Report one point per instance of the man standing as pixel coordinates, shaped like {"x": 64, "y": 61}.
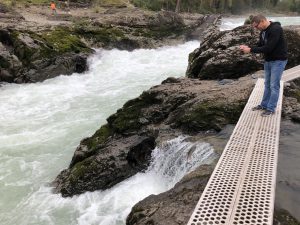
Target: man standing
{"x": 273, "y": 45}
{"x": 53, "y": 8}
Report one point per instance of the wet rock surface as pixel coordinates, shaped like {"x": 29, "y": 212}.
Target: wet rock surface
{"x": 219, "y": 56}
{"x": 118, "y": 160}
{"x": 27, "y": 56}
{"x": 291, "y": 101}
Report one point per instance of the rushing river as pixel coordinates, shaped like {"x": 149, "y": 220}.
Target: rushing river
{"x": 41, "y": 124}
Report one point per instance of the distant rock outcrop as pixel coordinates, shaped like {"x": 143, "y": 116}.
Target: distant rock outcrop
{"x": 27, "y": 56}
{"x": 32, "y": 52}
{"x": 129, "y": 29}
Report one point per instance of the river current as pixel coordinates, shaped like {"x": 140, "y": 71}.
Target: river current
{"x": 41, "y": 124}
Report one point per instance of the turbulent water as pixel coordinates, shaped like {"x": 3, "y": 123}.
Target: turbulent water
{"x": 41, "y": 124}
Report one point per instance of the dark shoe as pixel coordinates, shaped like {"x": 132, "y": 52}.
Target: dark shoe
{"x": 258, "y": 107}
{"x": 267, "y": 113}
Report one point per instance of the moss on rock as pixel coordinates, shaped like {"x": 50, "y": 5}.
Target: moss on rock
{"x": 63, "y": 40}
{"x": 90, "y": 145}
{"x": 99, "y": 138}
{"x": 77, "y": 171}
{"x": 96, "y": 33}
{"x": 46, "y": 44}
{"x": 127, "y": 118}
{"x": 211, "y": 115}
{"x": 296, "y": 94}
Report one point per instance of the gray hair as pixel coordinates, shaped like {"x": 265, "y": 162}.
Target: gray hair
{"x": 258, "y": 18}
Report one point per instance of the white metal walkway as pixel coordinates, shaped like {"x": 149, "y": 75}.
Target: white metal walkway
{"x": 291, "y": 74}
{"x": 241, "y": 189}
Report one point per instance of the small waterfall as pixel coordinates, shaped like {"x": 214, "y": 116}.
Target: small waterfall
{"x": 170, "y": 162}
{"x": 177, "y": 157}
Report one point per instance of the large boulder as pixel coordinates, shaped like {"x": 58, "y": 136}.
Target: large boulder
{"x": 123, "y": 146}
{"x": 9, "y": 65}
{"x": 107, "y": 165}
{"x": 219, "y": 56}
{"x": 28, "y": 56}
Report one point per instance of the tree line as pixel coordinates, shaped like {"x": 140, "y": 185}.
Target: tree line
{"x": 218, "y": 6}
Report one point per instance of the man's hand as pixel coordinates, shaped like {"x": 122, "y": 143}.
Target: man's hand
{"x": 245, "y": 48}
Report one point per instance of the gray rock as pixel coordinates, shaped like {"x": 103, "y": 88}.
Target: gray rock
{"x": 26, "y": 56}
{"x": 291, "y": 101}
{"x": 107, "y": 166}
{"x": 6, "y": 76}
{"x": 226, "y": 81}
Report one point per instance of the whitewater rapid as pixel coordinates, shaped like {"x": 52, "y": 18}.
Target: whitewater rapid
{"x": 42, "y": 123}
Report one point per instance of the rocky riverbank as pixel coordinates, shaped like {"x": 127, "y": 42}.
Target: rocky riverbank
{"x": 35, "y": 45}
{"x": 198, "y": 107}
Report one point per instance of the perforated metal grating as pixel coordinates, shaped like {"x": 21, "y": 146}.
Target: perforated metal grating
{"x": 241, "y": 188}
{"x": 291, "y": 74}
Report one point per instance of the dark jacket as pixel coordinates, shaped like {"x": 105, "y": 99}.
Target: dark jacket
{"x": 272, "y": 43}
